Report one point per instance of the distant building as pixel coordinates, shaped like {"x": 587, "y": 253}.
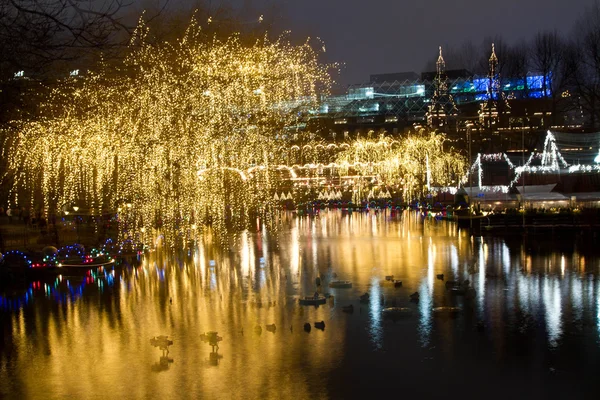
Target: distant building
{"x": 494, "y": 108}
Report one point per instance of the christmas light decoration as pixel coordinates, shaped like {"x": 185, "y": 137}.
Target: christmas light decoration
{"x": 164, "y": 140}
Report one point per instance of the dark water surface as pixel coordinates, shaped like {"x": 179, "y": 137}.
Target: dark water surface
{"x": 531, "y": 329}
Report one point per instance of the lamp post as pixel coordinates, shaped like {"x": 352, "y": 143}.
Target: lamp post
{"x": 76, "y": 218}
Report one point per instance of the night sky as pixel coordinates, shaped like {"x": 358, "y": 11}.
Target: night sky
{"x": 381, "y": 36}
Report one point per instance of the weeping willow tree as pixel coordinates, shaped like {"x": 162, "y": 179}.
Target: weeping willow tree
{"x": 418, "y": 163}
{"x": 167, "y": 138}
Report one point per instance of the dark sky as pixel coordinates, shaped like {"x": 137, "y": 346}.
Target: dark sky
{"x": 379, "y": 36}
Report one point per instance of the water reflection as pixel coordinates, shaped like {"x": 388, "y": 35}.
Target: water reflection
{"x": 89, "y": 331}
{"x": 375, "y": 312}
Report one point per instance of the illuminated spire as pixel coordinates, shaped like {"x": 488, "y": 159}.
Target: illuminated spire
{"x": 494, "y": 85}
{"x": 442, "y": 104}
{"x": 440, "y": 79}
{"x": 493, "y": 62}
{"x": 440, "y": 64}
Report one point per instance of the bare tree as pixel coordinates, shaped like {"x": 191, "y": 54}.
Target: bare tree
{"x": 583, "y": 65}
{"x": 517, "y": 62}
{"x": 36, "y": 33}
{"x": 546, "y": 57}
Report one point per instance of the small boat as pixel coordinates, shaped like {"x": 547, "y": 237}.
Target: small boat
{"x": 446, "y": 310}
{"x": 415, "y": 296}
{"x": 307, "y": 327}
{"x": 440, "y": 276}
{"x": 340, "y": 284}
{"x": 397, "y": 284}
{"x": 397, "y": 311}
{"x": 348, "y": 309}
{"x": 389, "y": 278}
{"x": 313, "y": 301}
{"x": 271, "y": 328}
{"x": 365, "y": 298}
{"x": 320, "y": 325}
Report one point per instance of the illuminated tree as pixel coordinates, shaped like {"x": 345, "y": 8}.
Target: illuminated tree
{"x": 173, "y": 133}
{"x": 416, "y": 163}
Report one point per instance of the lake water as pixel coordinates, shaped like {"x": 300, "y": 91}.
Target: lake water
{"x": 530, "y": 328}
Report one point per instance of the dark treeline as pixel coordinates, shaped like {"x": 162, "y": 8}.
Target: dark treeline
{"x": 47, "y": 39}
{"x": 571, "y": 63}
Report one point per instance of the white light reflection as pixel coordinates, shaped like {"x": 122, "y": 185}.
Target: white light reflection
{"x": 598, "y": 306}
{"x": 430, "y": 263}
{"x": 553, "y": 309}
{"x": 375, "y": 311}
{"x": 374, "y": 225}
{"x": 576, "y": 296}
{"x": 505, "y": 259}
{"x": 481, "y": 281}
{"x": 454, "y": 261}
{"x": 295, "y": 249}
{"x": 425, "y": 306}
{"x": 213, "y": 279}
{"x": 202, "y": 261}
{"x": 245, "y": 254}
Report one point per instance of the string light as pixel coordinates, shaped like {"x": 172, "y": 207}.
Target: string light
{"x": 135, "y": 138}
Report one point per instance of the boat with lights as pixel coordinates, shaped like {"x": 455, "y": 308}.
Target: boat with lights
{"x": 340, "y": 284}
{"x": 396, "y": 312}
{"x": 312, "y": 300}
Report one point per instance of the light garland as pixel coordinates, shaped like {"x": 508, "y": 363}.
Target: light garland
{"x": 172, "y": 133}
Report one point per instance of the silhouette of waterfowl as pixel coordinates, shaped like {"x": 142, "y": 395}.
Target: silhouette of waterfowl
{"x": 348, "y": 309}
{"x": 440, "y": 276}
{"x": 365, "y": 298}
{"x": 307, "y": 327}
{"x": 162, "y": 342}
{"x": 415, "y": 296}
{"x": 257, "y": 329}
{"x": 271, "y": 328}
{"x": 397, "y": 284}
{"x": 320, "y": 325}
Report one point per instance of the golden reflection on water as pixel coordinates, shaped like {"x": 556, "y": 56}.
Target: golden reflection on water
{"x": 87, "y": 335}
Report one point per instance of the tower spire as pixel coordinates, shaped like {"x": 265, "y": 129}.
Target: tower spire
{"x": 440, "y": 64}
{"x": 442, "y": 104}
{"x": 493, "y": 62}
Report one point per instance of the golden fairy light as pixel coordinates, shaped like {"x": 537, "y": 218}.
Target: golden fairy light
{"x": 167, "y": 138}
{"x": 417, "y": 164}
